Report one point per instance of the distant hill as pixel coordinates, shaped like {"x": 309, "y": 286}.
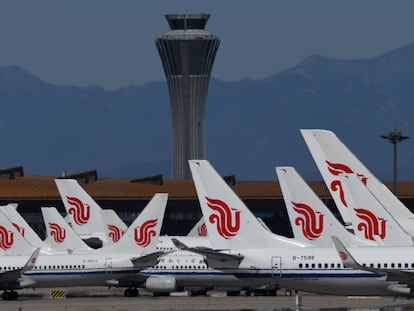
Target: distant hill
{"x": 252, "y": 125}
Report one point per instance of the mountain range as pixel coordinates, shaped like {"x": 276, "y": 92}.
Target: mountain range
{"x": 252, "y": 125}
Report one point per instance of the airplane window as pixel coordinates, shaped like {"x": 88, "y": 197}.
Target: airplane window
{"x": 364, "y": 264}
{"x": 371, "y": 265}
{"x": 313, "y": 265}
{"x": 300, "y": 265}
{"x": 392, "y": 265}
{"x": 399, "y": 265}
{"x": 306, "y": 265}
{"x": 412, "y": 265}
{"x": 379, "y": 265}
{"x": 385, "y": 265}
{"x": 319, "y": 265}
{"x": 332, "y": 265}
{"x": 338, "y": 265}
{"x": 406, "y": 265}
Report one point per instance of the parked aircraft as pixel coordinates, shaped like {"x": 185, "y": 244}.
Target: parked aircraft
{"x": 94, "y": 222}
{"x": 249, "y": 252}
{"x": 48, "y": 246}
{"x": 59, "y": 235}
{"x": 86, "y": 217}
{"x": 333, "y": 158}
{"x": 309, "y": 217}
{"x": 117, "y": 264}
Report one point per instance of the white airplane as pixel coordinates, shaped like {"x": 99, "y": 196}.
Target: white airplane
{"x": 370, "y": 219}
{"x": 12, "y": 277}
{"x": 309, "y": 217}
{"x": 176, "y": 271}
{"x": 48, "y": 246}
{"x": 86, "y": 217}
{"x": 333, "y": 158}
{"x": 114, "y": 265}
{"x": 248, "y": 251}
{"x": 59, "y": 235}
{"x": 76, "y": 199}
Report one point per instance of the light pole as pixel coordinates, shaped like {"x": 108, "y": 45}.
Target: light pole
{"x": 394, "y": 138}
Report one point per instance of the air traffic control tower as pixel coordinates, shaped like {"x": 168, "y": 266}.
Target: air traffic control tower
{"x": 187, "y": 53}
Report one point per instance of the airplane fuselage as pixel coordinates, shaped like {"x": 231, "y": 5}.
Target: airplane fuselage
{"x": 73, "y": 270}
{"x": 183, "y": 270}
{"x": 320, "y": 270}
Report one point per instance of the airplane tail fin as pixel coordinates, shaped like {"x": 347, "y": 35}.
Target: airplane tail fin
{"x": 60, "y": 236}
{"x": 199, "y": 229}
{"x": 230, "y": 224}
{"x": 115, "y": 227}
{"x": 333, "y": 158}
{"x": 22, "y": 226}
{"x": 142, "y": 235}
{"x": 11, "y": 241}
{"x": 370, "y": 219}
{"x": 84, "y": 214}
{"x": 309, "y": 217}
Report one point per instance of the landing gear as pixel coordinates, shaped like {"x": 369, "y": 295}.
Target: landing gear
{"x": 233, "y": 293}
{"x": 10, "y": 295}
{"x": 198, "y": 293}
{"x": 160, "y": 294}
{"x": 131, "y": 292}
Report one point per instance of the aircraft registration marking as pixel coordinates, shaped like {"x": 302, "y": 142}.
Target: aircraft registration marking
{"x": 303, "y": 257}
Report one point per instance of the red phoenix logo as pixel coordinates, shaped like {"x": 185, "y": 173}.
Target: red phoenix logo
{"x": 343, "y": 255}
{"x": 80, "y": 212}
{"x": 202, "y": 230}
{"x": 57, "y": 232}
{"x": 227, "y": 219}
{"x": 19, "y": 229}
{"x": 6, "y": 238}
{"x": 372, "y": 225}
{"x": 310, "y": 221}
{"x": 115, "y": 233}
{"x": 143, "y": 233}
{"x": 336, "y": 185}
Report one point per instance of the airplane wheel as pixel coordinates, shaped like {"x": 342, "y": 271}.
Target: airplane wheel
{"x": 10, "y": 295}
{"x": 128, "y": 292}
{"x": 134, "y": 292}
{"x": 198, "y": 293}
{"x": 233, "y": 293}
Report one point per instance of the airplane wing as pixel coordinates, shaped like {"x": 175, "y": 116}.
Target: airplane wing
{"x": 214, "y": 259}
{"x": 146, "y": 261}
{"x": 14, "y": 279}
{"x": 396, "y": 275}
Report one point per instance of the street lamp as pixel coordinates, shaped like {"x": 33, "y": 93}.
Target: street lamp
{"x": 394, "y": 138}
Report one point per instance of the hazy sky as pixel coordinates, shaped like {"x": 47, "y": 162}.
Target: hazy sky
{"x": 111, "y": 43}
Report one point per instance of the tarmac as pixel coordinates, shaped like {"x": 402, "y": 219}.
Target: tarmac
{"x": 103, "y": 299}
